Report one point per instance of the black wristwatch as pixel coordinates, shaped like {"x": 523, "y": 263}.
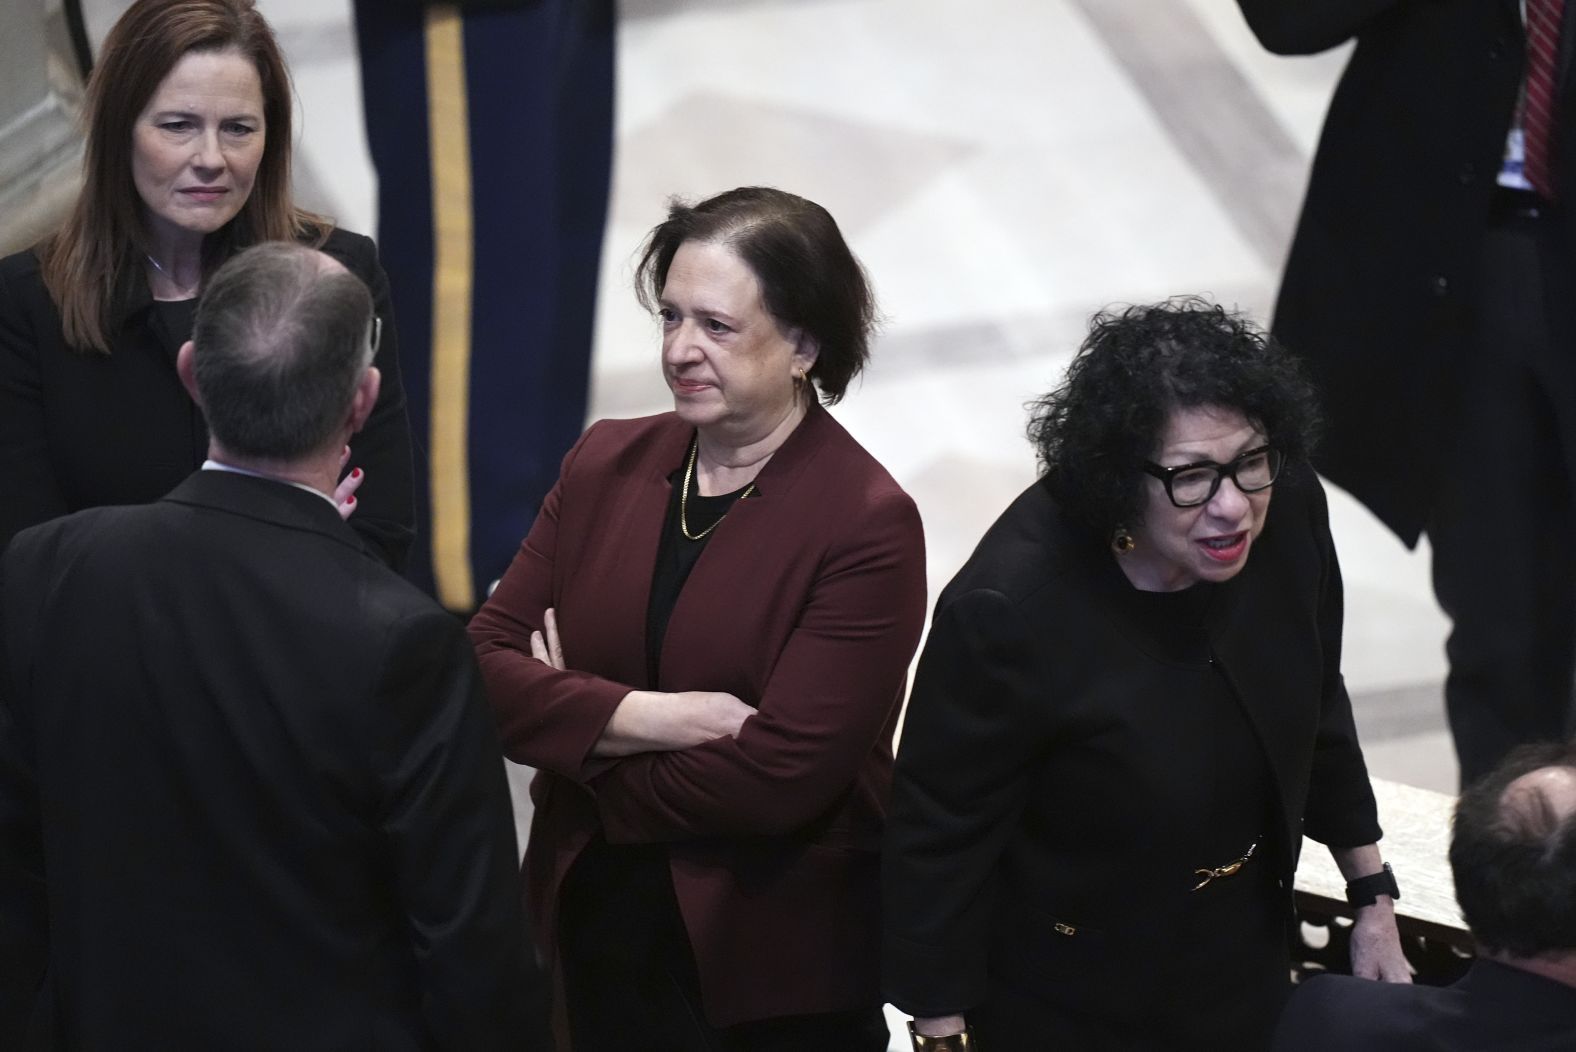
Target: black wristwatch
{"x": 1365, "y": 891}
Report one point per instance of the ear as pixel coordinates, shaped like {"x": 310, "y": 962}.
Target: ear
{"x": 805, "y": 351}
{"x": 186, "y": 369}
{"x": 364, "y": 399}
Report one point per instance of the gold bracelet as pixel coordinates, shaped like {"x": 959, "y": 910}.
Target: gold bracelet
{"x": 962, "y": 1042}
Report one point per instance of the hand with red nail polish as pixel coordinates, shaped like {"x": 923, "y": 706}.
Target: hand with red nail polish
{"x": 345, "y": 492}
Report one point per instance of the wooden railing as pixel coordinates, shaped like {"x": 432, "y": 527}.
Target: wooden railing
{"x": 1416, "y": 843}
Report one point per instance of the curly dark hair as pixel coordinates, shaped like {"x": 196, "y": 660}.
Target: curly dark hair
{"x": 1137, "y": 366}
{"x": 809, "y": 278}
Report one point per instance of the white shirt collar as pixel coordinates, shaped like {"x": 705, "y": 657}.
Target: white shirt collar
{"x": 214, "y": 465}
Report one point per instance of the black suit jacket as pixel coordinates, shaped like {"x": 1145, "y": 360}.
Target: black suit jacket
{"x": 250, "y": 793}
{"x": 1493, "y": 1008}
{"x": 79, "y": 429}
{"x": 1382, "y": 273}
{"x": 1031, "y": 776}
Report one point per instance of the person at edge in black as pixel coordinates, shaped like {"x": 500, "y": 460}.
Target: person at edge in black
{"x": 1128, "y": 712}
{"x": 1513, "y": 857}
{"x": 1431, "y": 290}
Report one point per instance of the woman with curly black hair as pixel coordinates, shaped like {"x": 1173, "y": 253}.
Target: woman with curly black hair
{"x": 1127, "y": 714}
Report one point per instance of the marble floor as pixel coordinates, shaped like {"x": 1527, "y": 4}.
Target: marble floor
{"x": 1002, "y": 173}
{"x": 1003, "y": 168}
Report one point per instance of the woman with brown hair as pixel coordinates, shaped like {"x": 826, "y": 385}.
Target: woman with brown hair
{"x": 702, "y": 646}
{"x": 187, "y": 161}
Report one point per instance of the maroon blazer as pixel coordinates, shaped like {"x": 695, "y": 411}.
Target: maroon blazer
{"x": 807, "y": 604}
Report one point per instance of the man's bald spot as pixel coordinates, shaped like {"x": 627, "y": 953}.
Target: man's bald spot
{"x": 281, "y": 343}
{"x": 1540, "y": 801}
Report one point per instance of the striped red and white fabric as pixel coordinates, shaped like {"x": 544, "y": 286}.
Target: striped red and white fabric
{"x": 1538, "y": 114}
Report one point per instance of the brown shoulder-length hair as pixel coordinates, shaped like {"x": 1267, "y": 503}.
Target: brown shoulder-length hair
{"x": 810, "y": 279}
{"x": 85, "y": 261}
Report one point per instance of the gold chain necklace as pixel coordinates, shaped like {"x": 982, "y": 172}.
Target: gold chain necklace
{"x": 689, "y": 473}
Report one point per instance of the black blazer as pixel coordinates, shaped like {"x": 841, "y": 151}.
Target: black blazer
{"x": 1031, "y": 736}
{"x": 1493, "y": 1008}
{"x": 250, "y": 793}
{"x": 79, "y": 429}
{"x": 1382, "y": 272}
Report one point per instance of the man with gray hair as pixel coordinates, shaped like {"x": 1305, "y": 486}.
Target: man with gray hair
{"x": 1513, "y": 854}
{"x": 250, "y": 793}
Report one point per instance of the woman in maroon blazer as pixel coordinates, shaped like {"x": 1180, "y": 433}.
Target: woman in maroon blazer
{"x": 702, "y": 645}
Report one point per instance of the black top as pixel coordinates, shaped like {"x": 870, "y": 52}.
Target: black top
{"x": 676, "y": 557}
{"x": 1074, "y": 749}
{"x": 1222, "y": 791}
{"x": 1219, "y": 799}
{"x": 175, "y": 320}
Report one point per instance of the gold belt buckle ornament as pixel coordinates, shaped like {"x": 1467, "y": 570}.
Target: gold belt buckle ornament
{"x": 1228, "y": 870}
{"x": 963, "y": 1042}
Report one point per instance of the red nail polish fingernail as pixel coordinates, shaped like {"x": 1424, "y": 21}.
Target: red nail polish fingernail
{"x": 350, "y": 499}
{"x": 355, "y": 473}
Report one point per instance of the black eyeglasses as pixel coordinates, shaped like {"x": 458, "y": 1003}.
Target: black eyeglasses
{"x": 377, "y": 333}
{"x": 1189, "y": 485}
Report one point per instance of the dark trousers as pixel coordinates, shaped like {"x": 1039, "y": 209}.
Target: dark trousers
{"x": 1503, "y": 530}
{"x": 657, "y": 1009}
{"x": 630, "y": 981}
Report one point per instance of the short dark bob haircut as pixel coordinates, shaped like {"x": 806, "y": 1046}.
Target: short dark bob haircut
{"x": 1514, "y": 859}
{"x": 809, "y": 278}
{"x": 1137, "y": 366}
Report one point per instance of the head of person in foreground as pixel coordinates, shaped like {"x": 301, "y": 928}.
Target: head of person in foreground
{"x": 1513, "y": 855}
{"x": 280, "y": 358}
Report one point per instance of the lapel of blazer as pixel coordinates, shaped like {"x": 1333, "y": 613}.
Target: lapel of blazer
{"x": 608, "y": 584}
{"x": 739, "y": 552}
{"x": 1267, "y": 642}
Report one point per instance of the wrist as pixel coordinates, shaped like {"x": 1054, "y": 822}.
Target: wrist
{"x": 634, "y": 725}
{"x": 1380, "y": 908}
{"x": 1366, "y": 892}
